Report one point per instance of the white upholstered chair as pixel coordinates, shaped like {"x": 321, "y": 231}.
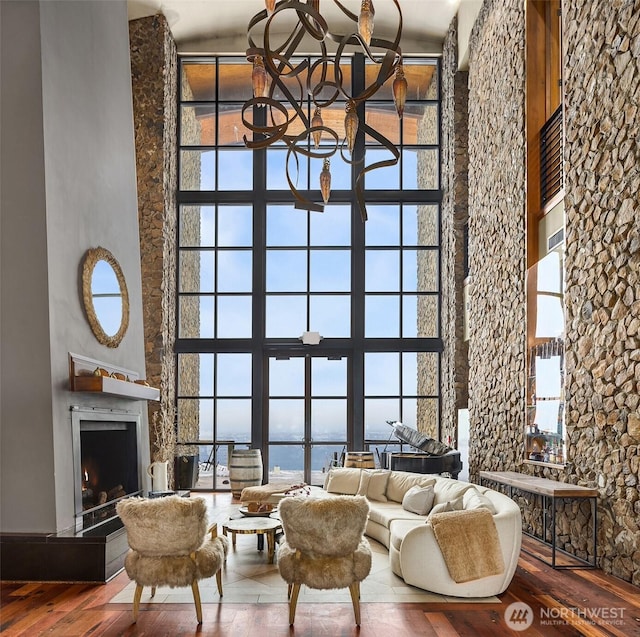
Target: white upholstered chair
{"x": 170, "y": 545}
{"x": 324, "y": 546}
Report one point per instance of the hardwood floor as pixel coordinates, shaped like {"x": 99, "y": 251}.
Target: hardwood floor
{"x": 562, "y": 602}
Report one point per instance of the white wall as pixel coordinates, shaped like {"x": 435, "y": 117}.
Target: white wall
{"x": 70, "y": 125}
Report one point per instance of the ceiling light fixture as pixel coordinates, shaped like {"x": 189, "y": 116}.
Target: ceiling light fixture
{"x": 279, "y": 71}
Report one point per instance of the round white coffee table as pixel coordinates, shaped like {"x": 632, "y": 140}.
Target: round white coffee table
{"x": 254, "y": 526}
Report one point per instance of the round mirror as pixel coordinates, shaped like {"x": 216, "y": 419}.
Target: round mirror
{"x": 105, "y": 295}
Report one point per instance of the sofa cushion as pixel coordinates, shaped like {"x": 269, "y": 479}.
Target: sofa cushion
{"x": 373, "y": 484}
{"x": 384, "y": 513}
{"x": 418, "y": 499}
{"x": 401, "y": 481}
{"x": 446, "y": 507}
{"x": 448, "y": 489}
{"x": 398, "y": 530}
{"x": 473, "y": 499}
{"x": 343, "y": 481}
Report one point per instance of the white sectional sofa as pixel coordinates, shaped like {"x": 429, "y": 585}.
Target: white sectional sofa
{"x": 414, "y": 553}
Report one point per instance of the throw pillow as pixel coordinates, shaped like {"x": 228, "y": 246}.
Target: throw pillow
{"x": 418, "y": 500}
{"x": 373, "y": 484}
{"x": 401, "y": 481}
{"x": 473, "y": 499}
{"x": 343, "y": 481}
{"x": 445, "y": 507}
{"x": 448, "y": 489}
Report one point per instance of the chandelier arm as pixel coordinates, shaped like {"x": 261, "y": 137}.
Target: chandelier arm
{"x": 305, "y": 204}
{"x": 276, "y": 73}
{"x": 360, "y": 197}
{"x": 301, "y": 203}
{"x": 293, "y": 102}
{"x": 292, "y": 43}
{"x": 293, "y": 149}
{"x": 276, "y": 76}
{"x": 317, "y": 32}
{"x": 352, "y": 38}
{"x": 284, "y": 62}
{"x": 351, "y": 16}
{"x": 257, "y": 18}
{"x": 346, "y": 156}
{"x": 396, "y": 42}
{"x": 306, "y": 26}
{"x": 323, "y": 61}
{"x": 272, "y": 133}
{"x": 324, "y": 103}
{"x": 381, "y": 139}
{"x": 336, "y": 63}
{"x": 379, "y": 43}
{"x": 387, "y": 69}
{"x": 314, "y": 153}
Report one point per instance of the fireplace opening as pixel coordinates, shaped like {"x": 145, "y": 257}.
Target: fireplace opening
{"x": 107, "y": 466}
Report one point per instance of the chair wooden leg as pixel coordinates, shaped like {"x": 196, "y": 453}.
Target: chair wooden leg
{"x": 293, "y": 601}
{"x": 219, "y": 581}
{"x": 136, "y": 602}
{"x": 289, "y": 591}
{"x": 196, "y": 599}
{"x": 354, "y": 589}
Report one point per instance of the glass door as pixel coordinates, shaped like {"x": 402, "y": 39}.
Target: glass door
{"x": 307, "y": 415}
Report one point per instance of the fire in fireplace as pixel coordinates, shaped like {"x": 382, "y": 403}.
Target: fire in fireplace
{"x": 106, "y": 462}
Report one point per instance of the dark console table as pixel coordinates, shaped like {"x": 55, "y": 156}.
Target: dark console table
{"x": 551, "y": 491}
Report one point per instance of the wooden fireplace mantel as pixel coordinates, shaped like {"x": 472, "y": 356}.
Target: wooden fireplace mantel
{"x": 88, "y": 375}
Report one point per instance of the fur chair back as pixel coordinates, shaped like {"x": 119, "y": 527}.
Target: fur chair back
{"x": 328, "y": 526}
{"x": 164, "y": 526}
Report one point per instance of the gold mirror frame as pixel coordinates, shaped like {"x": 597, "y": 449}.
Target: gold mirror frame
{"x": 91, "y": 258}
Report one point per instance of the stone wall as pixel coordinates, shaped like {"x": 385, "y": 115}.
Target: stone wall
{"x": 188, "y": 417}
{"x": 428, "y": 319}
{"x": 455, "y": 161}
{"x": 602, "y": 154}
{"x": 497, "y": 237}
{"x": 602, "y": 94}
{"x": 154, "y": 83}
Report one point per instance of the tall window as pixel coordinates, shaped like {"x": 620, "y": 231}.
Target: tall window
{"x": 545, "y": 431}
{"x": 255, "y": 274}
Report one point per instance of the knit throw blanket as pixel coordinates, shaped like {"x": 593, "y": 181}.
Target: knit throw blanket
{"x": 469, "y": 544}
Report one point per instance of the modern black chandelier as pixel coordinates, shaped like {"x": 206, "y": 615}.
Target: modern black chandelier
{"x": 281, "y": 69}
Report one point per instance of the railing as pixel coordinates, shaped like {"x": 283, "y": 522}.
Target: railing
{"x": 551, "y": 157}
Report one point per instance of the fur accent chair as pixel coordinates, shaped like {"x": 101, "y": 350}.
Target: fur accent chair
{"x": 324, "y": 546}
{"x": 169, "y": 547}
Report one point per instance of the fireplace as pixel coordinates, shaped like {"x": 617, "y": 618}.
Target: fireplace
{"x": 106, "y": 458}
{"x": 107, "y": 451}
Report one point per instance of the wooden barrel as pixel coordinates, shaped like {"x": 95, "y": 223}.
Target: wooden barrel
{"x": 245, "y": 469}
{"x": 359, "y": 460}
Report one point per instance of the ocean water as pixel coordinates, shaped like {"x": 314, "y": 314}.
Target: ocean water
{"x": 290, "y": 457}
